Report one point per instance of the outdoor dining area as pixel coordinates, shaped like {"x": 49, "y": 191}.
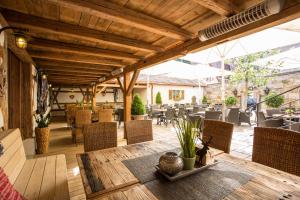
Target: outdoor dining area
{"x": 132, "y": 149}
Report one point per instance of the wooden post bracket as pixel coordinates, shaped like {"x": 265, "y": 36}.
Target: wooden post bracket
{"x": 132, "y": 82}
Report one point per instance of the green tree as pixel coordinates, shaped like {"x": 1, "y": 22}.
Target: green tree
{"x": 137, "y": 107}
{"x": 274, "y": 101}
{"x": 158, "y": 100}
{"x": 247, "y": 72}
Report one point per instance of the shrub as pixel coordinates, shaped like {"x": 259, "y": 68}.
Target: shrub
{"x": 274, "y": 101}
{"x": 137, "y": 107}
{"x": 204, "y": 100}
{"x": 230, "y": 101}
{"x": 158, "y": 100}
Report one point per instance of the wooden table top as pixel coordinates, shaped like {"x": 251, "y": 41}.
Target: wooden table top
{"x": 120, "y": 183}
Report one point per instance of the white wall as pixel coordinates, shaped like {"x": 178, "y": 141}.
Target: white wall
{"x": 189, "y": 92}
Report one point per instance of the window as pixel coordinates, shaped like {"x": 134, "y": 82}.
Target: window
{"x": 176, "y": 95}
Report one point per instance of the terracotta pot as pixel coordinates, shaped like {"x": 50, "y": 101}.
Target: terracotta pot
{"x": 170, "y": 163}
{"x": 42, "y": 140}
{"x": 189, "y": 163}
{"x": 138, "y": 117}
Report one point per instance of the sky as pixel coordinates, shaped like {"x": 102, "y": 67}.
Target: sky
{"x": 282, "y": 35}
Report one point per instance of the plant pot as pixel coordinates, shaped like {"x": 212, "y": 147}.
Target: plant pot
{"x": 189, "y": 163}
{"x": 42, "y": 140}
{"x": 170, "y": 163}
{"x": 138, "y": 117}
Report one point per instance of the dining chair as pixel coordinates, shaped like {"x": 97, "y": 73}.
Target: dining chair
{"x": 233, "y": 115}
{"x": 277, "y": 148}
{"x": 70, "y": 114}
{"x": 82, "y": 117}
{"x": 100, "y": 135}
{"x": 221, "y": 133}
{"x": 138, "y": 131}
{"x": 105, "y": 115}
{"x": 215, "y": 115}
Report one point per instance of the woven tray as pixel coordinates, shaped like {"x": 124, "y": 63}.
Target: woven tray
{"x": 184, "y": 173}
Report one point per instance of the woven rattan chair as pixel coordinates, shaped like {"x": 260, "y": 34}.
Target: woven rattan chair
{"x": 82, "y": 118}
{"x": 105, "y": 115}
{"x": 138, "y": 131}
{"x": 233, "y": 115}
{"x": 215, "y": 115}
{"x": 277, "y": 148}
{"x": 221, "y": 133}
{"x": 100, "y": 135}
{"x": 70, "y": 115}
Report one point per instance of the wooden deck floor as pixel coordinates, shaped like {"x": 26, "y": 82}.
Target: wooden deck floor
{"x": 61, "y": 143}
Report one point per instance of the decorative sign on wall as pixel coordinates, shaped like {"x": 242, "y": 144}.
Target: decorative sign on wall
{"x": 176, "y": 95}
{"x": 71, "y": 96}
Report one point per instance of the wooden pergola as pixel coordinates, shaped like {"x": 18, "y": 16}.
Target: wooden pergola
{"x": 76, "y": 42}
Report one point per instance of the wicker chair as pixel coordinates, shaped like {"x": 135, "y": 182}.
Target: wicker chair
{"x": 277, "y": 148}
{"x": 70, "y": 115}
{"x": 82, "y": 118}
{"x": 105, "y": 115}
{"x": 233, "y": 116}
{"x": 221, "y": 133}
{"x": 138, "y": 131}
{"x": 98, "y": 136}
{"x": 215, "y": 115}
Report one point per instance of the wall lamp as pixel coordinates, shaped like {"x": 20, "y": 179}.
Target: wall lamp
{"x": 20, "y": 38}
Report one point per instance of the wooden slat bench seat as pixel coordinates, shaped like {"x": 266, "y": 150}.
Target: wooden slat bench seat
{"x": 37, "y": 178}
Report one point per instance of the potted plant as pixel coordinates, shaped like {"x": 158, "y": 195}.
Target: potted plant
{"x": 204, "y": 100}
{"x": 158, "y": 100}
{"x": 230, "y": 101}
{"x": 42, "y": 133}
{"x": 273, "y": 100}
{"x": 194, "y": 99}
{"x": 187, "y": 134}
{"x": 137, "y": 108}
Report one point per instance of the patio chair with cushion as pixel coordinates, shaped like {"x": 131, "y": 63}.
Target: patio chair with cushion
{"x": 216, "y": 115}
{"x": 82, "y": 118}
{"x": 105, "y": 115}
{"x": 100, "y": 135}
{"x": 233, "y": 115}
{"x": 138, "y": 131}
{"x": 277, "y": 148}
{"x": 221, "y": 133}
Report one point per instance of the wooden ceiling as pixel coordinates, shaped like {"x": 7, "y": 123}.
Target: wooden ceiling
{"x": 79, "y": 41}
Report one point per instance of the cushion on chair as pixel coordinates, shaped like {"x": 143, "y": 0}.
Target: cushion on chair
{"x": 7, "y": 190}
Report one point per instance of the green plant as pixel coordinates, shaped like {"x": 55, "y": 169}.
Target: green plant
{"x": 42, "y": 121}
{"x": 158, "y": 100}
{"x": 193, "y": 100}
{"x": 230, "y": 101}
{"x": 137, "y": 107}
{"x": 187, "y": 132}
{"x": 204, "y": 100}
{"x": 273, "y": 100}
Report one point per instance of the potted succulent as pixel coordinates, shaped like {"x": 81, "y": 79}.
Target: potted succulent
{"x": 273, "y": 100}
{"x": 137, "y": 108}
{"x": 230, "y": 101}
{"x": 187, "y": 134}
{"x": 42, "y": 133}
{"x": 158, "y": 100}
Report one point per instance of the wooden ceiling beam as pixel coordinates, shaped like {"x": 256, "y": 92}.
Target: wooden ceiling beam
{"x": 222, "y": 7}
{"x": 60, "y": 28}
{"x": 68, "y": 64}
{"x": 72, "y": 74}
{"x": 37, "y": 43}
{"x": 110, "y": 11}
{"x": 75, "y": 58}
{"x": 195, "y": 45}
{"x": 77, "y": 69}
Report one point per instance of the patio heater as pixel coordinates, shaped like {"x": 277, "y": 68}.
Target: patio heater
{"x": 20, "y": 38}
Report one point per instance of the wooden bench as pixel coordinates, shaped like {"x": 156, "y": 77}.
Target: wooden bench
{"x": 38, "y": 178}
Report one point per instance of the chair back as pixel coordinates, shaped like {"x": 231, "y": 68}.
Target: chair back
{"x": 216, "y": 115}
{"x": 277, "y": 148}
{"x": 170, "y": 113}
{"x": 196, "y": 109}
{"x": 233, "y": 115}
{"x": 138, "y": 131}
{"x": 83, "y": 117}
{"x": 120, "y": 112}
{"x": 275, "y": 123}
{"x": 181, "y": 112}
{"x": 221, "y": 133}
{"x": 260, "y": 116}
{"x": 271, "y": 112}
{"x": 100, "y": 135}
{"x": 105, "y": 115}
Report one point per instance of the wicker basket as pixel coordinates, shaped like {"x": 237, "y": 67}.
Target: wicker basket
{"x": 42, "y": 140}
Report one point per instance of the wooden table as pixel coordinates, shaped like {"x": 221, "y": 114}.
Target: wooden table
{"x": 120, "y": 183}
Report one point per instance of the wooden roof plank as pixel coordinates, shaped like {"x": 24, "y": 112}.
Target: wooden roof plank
{"x": 80, "y": 49}
{"x": 38, "y": 23}
{"x": 114, "y": 12}
{"x": 222, "y": 7}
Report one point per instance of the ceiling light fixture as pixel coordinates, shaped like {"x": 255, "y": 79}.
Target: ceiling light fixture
{"x": 253, "y": 14}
